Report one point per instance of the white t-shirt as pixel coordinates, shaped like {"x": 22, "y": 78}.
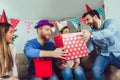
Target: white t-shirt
{"x": 14, "y": 69}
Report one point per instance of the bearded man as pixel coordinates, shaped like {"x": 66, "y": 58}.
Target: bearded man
{"x": 41, "y": 47}
{"x": 106, "y": 36}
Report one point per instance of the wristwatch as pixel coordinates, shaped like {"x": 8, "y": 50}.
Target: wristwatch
{"x": 91, "y": 35}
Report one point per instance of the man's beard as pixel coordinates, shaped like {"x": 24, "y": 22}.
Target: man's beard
{"x": 93, "y": 25}
{"x": 45, "y": 37}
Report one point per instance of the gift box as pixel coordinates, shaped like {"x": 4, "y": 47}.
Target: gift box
{"x": 43, "y": 67}
{"x": 72, "y": 45}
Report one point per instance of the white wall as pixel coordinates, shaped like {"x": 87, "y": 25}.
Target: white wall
{"x": 23, "y": 36}
{"x": 112, "y": 9}
{"x": 26, "y": 10}
{"x": 46, "y": 9}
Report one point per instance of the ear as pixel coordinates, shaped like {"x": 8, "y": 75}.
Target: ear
{"x": 95, "y": 17}
{"x": 38, "y": 30}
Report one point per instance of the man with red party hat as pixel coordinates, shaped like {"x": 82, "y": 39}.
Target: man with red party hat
{"x": 105, "y": 35}
{"x": 7, "y": 51}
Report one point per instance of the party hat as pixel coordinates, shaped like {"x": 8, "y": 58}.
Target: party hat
{"x": 88, "y": 8}
{"x": 59, "y": 25}
{"x": 3, "y": 18}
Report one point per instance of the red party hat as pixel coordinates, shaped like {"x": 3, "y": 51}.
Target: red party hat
{"x": 87, "y": 8}
{"x": 3, "y": 18}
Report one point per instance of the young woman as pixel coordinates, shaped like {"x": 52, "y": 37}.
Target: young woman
{"x": 8, "y": 69}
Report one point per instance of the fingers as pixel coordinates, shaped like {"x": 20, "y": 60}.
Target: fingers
{"x": 84, "y": 36}
{"x": 81, "y": 36}
{"x": 62, "y": 55}
{"x": 83, "y": 30}
{"x": 60, "y": 49}
{"x": 61, "y": 67}
{"x": 59, "y": 53}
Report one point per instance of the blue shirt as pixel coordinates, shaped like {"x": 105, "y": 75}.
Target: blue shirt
{"x": 32, "y": 50}
{"x": 107, "y": 38}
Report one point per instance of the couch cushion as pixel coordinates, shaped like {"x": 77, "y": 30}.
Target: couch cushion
{"x": 22, "y": 65}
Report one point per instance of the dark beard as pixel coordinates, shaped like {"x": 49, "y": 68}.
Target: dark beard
{"x": 93, "y": 25}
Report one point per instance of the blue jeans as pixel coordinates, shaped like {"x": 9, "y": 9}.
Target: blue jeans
{"x": 54, "y": 77}
{"x": 101, "y": 63}
{"x": 67, "y": 73}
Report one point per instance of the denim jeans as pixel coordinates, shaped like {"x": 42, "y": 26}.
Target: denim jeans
{"x": 67, "y": 73}
{"x": 101, "y": 63}
{"x": 54, "y": 77}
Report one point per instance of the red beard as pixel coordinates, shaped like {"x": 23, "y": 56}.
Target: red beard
{"x": 45, "y": 36}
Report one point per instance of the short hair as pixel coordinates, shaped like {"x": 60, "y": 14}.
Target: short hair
{"x": 91, "y": 13}
{"x": 61, "y": 31}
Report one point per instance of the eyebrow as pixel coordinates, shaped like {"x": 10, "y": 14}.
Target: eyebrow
{"x": 87, "y": 19}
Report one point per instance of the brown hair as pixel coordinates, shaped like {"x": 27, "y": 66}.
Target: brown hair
{"x": 61, "y": 31}
{"x": 6, "y": 59}
{"x": 91, "y": 13}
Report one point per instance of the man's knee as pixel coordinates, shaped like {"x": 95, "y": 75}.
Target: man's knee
{"x": 96, "y": 70}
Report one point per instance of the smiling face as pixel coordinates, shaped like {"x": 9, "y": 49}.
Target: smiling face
{"x": 44, "y": 32}
{"x": 91, "y": 21}
{"x": 9, "y": 35}
{"x": 66, "y": 31}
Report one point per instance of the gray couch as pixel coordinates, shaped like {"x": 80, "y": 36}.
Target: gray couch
{"x": 22, "y": 65}
{"x": 112, "y": 73}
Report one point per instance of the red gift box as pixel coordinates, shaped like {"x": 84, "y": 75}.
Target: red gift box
{"x": 43, "y": 67}
{"x": 72, "y": 45}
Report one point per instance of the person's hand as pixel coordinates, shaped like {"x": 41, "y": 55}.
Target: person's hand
{"x": 59, "y": 53}
{"x": 75, "y": 65}
{"x": 61, "y": 67}
{"x": 85, "y": 35}
{"x": 60, "y": 64}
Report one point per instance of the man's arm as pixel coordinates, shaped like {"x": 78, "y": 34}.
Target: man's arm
{"x": 57, "y": 53}
{"x": 110, "y": 30}
{"x": 90, "y": 46}
{"x": 35, "y": 53}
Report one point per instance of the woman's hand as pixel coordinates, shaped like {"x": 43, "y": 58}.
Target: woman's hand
{"x": 60, "y": 64}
